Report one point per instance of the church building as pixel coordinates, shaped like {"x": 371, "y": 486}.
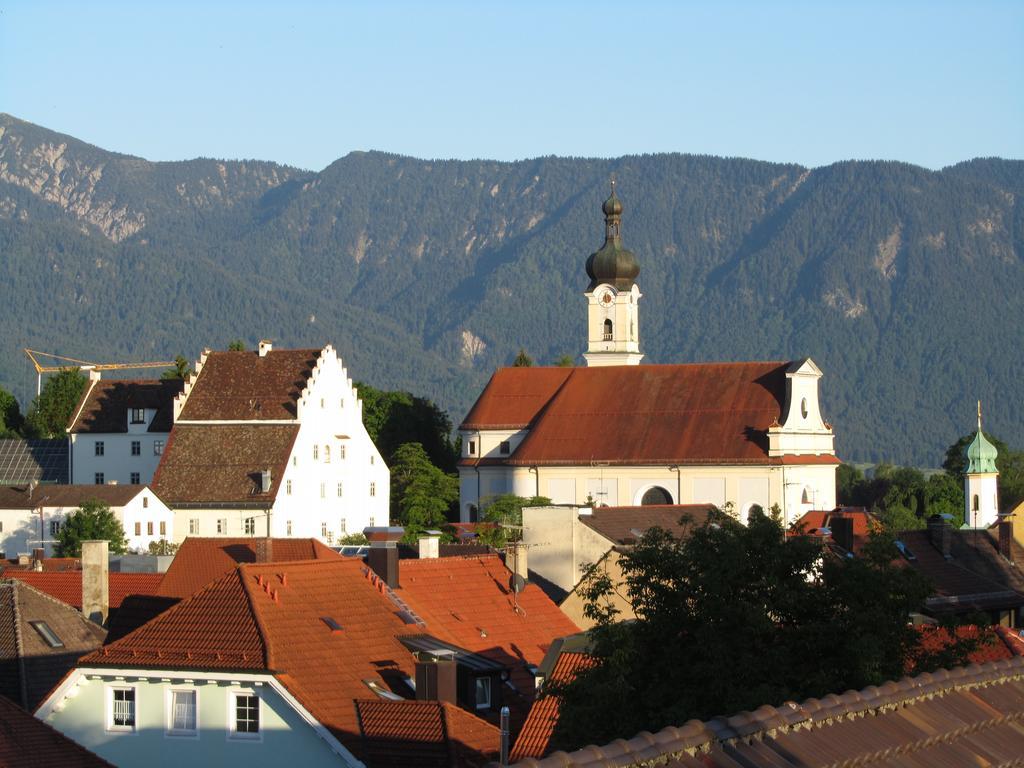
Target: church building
{"x": 617, "y": 432}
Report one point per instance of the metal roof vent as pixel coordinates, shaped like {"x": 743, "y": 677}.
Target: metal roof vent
{"x": 266, "y": 345}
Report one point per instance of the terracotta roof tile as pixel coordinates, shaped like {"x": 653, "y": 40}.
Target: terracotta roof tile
{"x": 199, "y": 561}
{"x": 19, "y": 496}
{"x": 222, "y": 463}
{"x": 66, "y": 586}
{"x": 26, "y": 742}
{"x": 104, "y": 405}
{"x": 535, "y": 738}
{"x": 242, "y": 386}
{"x": 701, "y": 413}
{"x": 619, "y": 523}
{"x": 991, "y": 645}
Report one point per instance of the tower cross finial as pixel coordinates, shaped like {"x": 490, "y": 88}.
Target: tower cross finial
{"x": 613, "y": 183}
{"x": 979, "y": 415}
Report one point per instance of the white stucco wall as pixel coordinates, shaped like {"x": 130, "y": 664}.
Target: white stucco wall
{"x": 117, "y": 462}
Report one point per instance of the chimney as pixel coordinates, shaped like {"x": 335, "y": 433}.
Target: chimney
{"x": 1006, "y": 538}
{"x": 265, "y": 481}
{"x": 383, "y": 555}
{"x": 430, "y": 545}
{"x": 37, "y": 558}
{"x": 436, "y": 679}
{"x": 95, "y": 580}
{"x": 265, "y": 550}
{"x": 265, "y": 346}
{"x": 515, "y": 561}
{"x": 941, "y": 535}
{"x": 842, "y": 531}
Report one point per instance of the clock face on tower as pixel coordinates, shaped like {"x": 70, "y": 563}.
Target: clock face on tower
{"x": 607, "y": 298}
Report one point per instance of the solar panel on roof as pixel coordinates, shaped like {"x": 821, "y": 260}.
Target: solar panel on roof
{"x": 22, "y": 461}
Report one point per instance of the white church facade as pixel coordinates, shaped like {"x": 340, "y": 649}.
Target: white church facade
{"x": 620, "y": 433}
{"x": 272, "y": 443}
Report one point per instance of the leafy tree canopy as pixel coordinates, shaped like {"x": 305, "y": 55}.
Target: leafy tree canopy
{"x": 730, "y": 617}
{"x": 522, "y": 360}
{"x": 92, "y": 520}
{"x": 504, "y": 510}
{"x": 11, "y": 419}
{"x": 565, "y": 361}
{"x": 395, "y": 418}
{"x": 236, "y": 346}
{"x": 51, "y": 410}
{"x": 181, "y": 369}
{"x": 422, "y": 496}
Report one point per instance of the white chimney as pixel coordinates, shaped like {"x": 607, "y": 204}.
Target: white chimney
{"x": 96, "y": 580}
{"x": 265, "y": 481}
{"x": 430, "y": 545}
{"x": 265, "y": 346}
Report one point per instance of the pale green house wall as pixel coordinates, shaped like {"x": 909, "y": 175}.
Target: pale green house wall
{"x": 286, "y": 738}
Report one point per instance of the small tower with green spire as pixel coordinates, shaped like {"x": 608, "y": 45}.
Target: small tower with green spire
{"x": 613, "y": 321}
{"x": 981, "y": 487}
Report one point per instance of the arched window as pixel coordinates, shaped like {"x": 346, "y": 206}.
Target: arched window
{"x": 607, "y": 330}
{"x": 655, "y": 495}
{"x": 975, "y": 503}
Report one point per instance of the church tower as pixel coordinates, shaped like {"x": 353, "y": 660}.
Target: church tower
{"x": 981, "y": 491}
{"x": 613, "y": 323}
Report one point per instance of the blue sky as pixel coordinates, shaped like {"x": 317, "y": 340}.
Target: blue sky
{"x": 304, "y": 83}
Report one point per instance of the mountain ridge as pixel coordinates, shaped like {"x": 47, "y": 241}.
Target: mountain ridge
{"x": 426, "y": 274}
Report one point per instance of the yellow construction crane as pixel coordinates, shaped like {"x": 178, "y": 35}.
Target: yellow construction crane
{"x": 82, "y": 365}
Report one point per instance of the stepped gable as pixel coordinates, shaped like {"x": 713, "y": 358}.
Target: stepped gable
{"x": 199, "y": 561}
{"x": 964, "y": 716}
{"x": 245, "y": 386}
{"x": 707, "y": 413}
{"x": 104, "y": 405}
{"x": 30, "y": 666}
{"x": 534, "y": 739}
{"x": 222, "y": 463}
{"x": 22, "y": 497}
{"x": 26, "y": 742}
{"x": 66, "y": 586}
{"x": 467, "y": 600}
{"x": 619, "y": 524}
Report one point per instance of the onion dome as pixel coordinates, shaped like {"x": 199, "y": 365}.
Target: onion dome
{"x": 612, "y": 263}
{"x": 981, "y": 455}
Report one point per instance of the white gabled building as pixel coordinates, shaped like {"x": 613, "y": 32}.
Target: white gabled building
{"x": 619, "y": 433}
{"x": 119, "y": 429}
{"x": 272, "y": 443}
{"x": 31, "y": 516}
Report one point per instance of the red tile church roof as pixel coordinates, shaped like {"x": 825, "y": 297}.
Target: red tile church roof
{"x": 644, "y": 414}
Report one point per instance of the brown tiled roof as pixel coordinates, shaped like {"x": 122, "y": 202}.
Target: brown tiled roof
{"x": 26, "y": 742}
{"x": 658, "y": 414}
{"x": 992, "y": 646}
{"x": 966, "y": 716}
{"x": 19, "y": 497}
{"x": 618, "y": 524}
{"x": 217, "y": 463}
{"x": 29, "y": 667}
{"x": 535, "y": 738}
{"x": 975, "y": 577}
{"x": 242, "y": 386}
{"x": 199, "y": 561}
{"x": 104, "y": 405}
{"x": 811, "y": 523}
{"x": 66, "y": 586}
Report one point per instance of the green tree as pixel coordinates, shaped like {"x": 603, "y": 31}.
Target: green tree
{"x": 422, "y": 496}
{"x": 395, "y": 418}
{"x": 51, "y": 410}
{"x": 1009, "y": 462}
{"x": 565, "y": 361}
{"x": 236, "y": 346}
{"x": 730, "y": 617}
{"x": 11, "y": 420}
{"x": 506, "y": 510}
{"x": 522, "y": 360}
{"x": 181, "y": 369}
{"x": 162, "y": 547}
{"x": 92, "y": 520}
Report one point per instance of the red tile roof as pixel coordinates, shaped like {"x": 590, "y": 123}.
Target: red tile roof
{"x": 199, "y": 561}
{"x": 19, "y": 496}
{"x": 991, "y": 645}
{"x": 26, "y": 742}
{"x": 662, "y": 414}
{"x": 811, "y": 523}
{"x": 617, "y": 524}
{"x": 222, "y": 463}
{"x": 242, "y": 386}
{"x": 104, "y": 405}
{"x": 66, "y": 586}
{"x": 535, "y": 738}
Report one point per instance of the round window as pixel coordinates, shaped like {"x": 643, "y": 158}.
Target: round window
{"x": 803, "y": 407}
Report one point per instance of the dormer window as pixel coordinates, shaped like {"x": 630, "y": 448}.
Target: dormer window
{"x": 138, "y": 415}
{"x": 505, "y": 448}
{"x": 472, "y": 447}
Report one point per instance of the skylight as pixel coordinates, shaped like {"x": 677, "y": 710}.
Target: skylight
{"x": 332, "y": 623}
{"x": 47, "y": 634}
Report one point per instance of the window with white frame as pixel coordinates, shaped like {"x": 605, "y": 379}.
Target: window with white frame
{"x": 193, "y": 525}
{"x": 222, "y": 525}
{"x": 54, "y": 527}
{"x": 182, "y": 712}
{"x": 342, "y": 527}
{"x": 339, "y": 490}
{"x": 295, "y": 461}
{"x": 121, "y": 709}
{"x": 288, "y": 487}
{"x": 138, "y": 415}
{"x": 250, "y": 526}
{"x": 323, "y": 490}
{"x": 373, "y": 489}
{"x": 149, "y": 527}
{"x": 99, "y": 448}
{"x": 341, "y": 451}
{"x": 327, "y": 454}
{"x": 373, "y": 459}
{"x": 158, "y": 447}
{"x": 483, "y": 693}
{"x": 373, "y": 521}
{"x": 245, "y": 717}
{"x": 316, "y": 453}
{"x": 288, "y": 528}
{"x": 99, "y": 478}
{"x": 323, "y": 530}
{"x": 136, "y": 447}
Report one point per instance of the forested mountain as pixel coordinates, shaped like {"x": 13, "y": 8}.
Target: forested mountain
{"x": 905, "y": 285}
